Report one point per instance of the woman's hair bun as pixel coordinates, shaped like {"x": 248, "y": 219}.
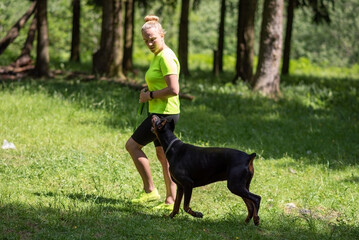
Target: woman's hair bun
{"x": 152, "y": 21}
{"x": 152, "y": 18}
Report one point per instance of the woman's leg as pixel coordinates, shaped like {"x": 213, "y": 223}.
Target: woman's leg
{"x": 141, "y": 163}
{"x": 170, "y": 185}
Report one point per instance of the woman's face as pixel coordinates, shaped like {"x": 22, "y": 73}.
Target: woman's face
{"x": 153, "y": 39}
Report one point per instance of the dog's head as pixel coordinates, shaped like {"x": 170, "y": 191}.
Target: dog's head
{"x": 158, "y": 124}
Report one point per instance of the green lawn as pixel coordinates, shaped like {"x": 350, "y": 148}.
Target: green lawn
{"x": 71, "y": 178}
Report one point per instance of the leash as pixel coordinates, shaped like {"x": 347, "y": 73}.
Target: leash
{"x": 170, "y": 145}
{"x": 140, "y": 109}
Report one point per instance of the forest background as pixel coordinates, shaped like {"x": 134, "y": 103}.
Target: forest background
{"x": 323, "y": 44}
{"x": 69, "y": 176}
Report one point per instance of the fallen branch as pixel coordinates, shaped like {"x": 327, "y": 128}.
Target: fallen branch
{"x": 14, "y": 31}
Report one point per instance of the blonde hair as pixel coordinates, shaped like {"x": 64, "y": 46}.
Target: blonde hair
{"x": 152, "y": 21}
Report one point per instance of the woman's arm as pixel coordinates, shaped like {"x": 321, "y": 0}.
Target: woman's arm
{"x": 171, "y": 90}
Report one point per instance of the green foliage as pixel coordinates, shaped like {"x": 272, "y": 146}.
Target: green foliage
{"x": 332, "y": 44}
{"x": 71, "y": 178}
{"x": 326, "y": 45}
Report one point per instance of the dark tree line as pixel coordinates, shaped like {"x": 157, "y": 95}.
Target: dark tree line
{"x": 114, "y": 55}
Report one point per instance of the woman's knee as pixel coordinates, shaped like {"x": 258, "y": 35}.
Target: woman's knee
{"x": 131, "y": 145}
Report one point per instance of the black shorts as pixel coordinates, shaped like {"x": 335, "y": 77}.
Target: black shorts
{"x": 143, "y": 134}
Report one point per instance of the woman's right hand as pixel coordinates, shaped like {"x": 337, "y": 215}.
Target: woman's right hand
{"x": 144, "y": 95}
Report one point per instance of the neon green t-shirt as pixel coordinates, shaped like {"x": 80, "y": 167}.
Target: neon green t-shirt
{"x": 164, "y": 63}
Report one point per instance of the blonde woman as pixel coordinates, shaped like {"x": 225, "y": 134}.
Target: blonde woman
{"x": 162, "y": 96}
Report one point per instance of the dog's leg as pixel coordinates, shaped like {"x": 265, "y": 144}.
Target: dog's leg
{"x": 250, "y": 205}
{"x": 187, "y": 199}
{"x": 253, "y": 202}
{"x": 178, "y": 200}
{"x": 238, "y": 185}
{"x": 250, "y": 209}
{"x": 256, "y": 203}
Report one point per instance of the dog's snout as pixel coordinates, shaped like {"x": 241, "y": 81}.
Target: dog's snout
{"x": 154, "y": 118}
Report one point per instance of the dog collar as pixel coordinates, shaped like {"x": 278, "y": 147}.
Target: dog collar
{"x": 170, "y": 145}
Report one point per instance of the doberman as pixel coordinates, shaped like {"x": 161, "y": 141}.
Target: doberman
{"x": 192, "y": 166}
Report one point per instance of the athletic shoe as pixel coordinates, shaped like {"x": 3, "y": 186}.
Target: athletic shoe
{"x": 164, "y": 206}
{"x": 147, "y": 197}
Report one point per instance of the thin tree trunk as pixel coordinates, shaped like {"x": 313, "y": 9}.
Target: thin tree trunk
{"x": 108, "y": 60}
{"x": 116, "y": 63}
{"x": 14, "y": 31}
{"x": 25, "y": 56}
{"x": 101, "y": 58}
{"x": 245, "y": 40}
{"x": 267, "y": 76}
{"x": 129, "y": 36}
{"x": 183, "y": 38}
{"x": 218, "y": 56}
{"x": 288, "y": 37}
{"x": 75, "y": 43}
{"x": 42, "y": 53}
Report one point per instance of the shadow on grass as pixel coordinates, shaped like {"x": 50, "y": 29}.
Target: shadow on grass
{"x": 352, "y": 179}
{"x": 314, "y": 125}
{"x": 118, "y": 219}
{"x": 82, "y": 197}
{"x": 334, "y": 83}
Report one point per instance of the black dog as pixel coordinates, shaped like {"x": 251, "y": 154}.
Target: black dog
{"x": 192, "y": 166}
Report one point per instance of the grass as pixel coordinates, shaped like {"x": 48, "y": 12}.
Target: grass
{"x": 71, "y": 178}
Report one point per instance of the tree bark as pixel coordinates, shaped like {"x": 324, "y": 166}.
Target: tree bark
{"x": 218, "y": 56}
{"x": 14, "y": 31}
{"x": 183, "y": 38}
{"x": 116, "y": 63}
{"x": 25, "y": 56}
{"x": 267, "y": 76}
{"x": 42, "y": 53}
{"x": 288, "y": 37}
{"x": 129, "y": 36}
{"x": 101, "y": 58}
{"x": 108, "y": 60}
{"x": 245, "y": 40}
{"x": 75, "y": 43}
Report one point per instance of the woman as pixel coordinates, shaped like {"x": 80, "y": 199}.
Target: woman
{"x": 162, "y": 97}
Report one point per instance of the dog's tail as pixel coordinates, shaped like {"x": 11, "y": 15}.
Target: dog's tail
{"x": 250, "y": 163}
{"x": 251, "y": 158}
{"x": 251, "y": 168}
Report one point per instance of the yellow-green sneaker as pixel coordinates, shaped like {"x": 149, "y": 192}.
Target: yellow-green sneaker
{"x": 147, "y": 197}
{"x": 164, "y": 206}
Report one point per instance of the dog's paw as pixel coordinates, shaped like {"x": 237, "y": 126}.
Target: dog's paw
{"x": 173, "y": 214}
{"x": 198, "y": 215}
{"x": 256, "y": 220}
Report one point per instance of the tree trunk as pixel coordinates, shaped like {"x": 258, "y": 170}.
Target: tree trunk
{"x": 288, "y": 37}
{"x": 108, "y": 60}
{"x": 267, "y": 76}
{"x": 42, "y": 53}
{"x": 25, "y": 56}
{"x": 245, "y": 40}
{"x": 129, "y": 36}
{"x": 14, "y": 31}
{"x": 116, "y": 63}
{"x": 101, "y": 58}
{"x": 75, "y": 43}
{"x": 218, "y": 56}
{"x": 183, "y": 38}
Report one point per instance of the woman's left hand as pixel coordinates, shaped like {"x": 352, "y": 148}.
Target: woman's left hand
{"x": 144, "y": 95}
